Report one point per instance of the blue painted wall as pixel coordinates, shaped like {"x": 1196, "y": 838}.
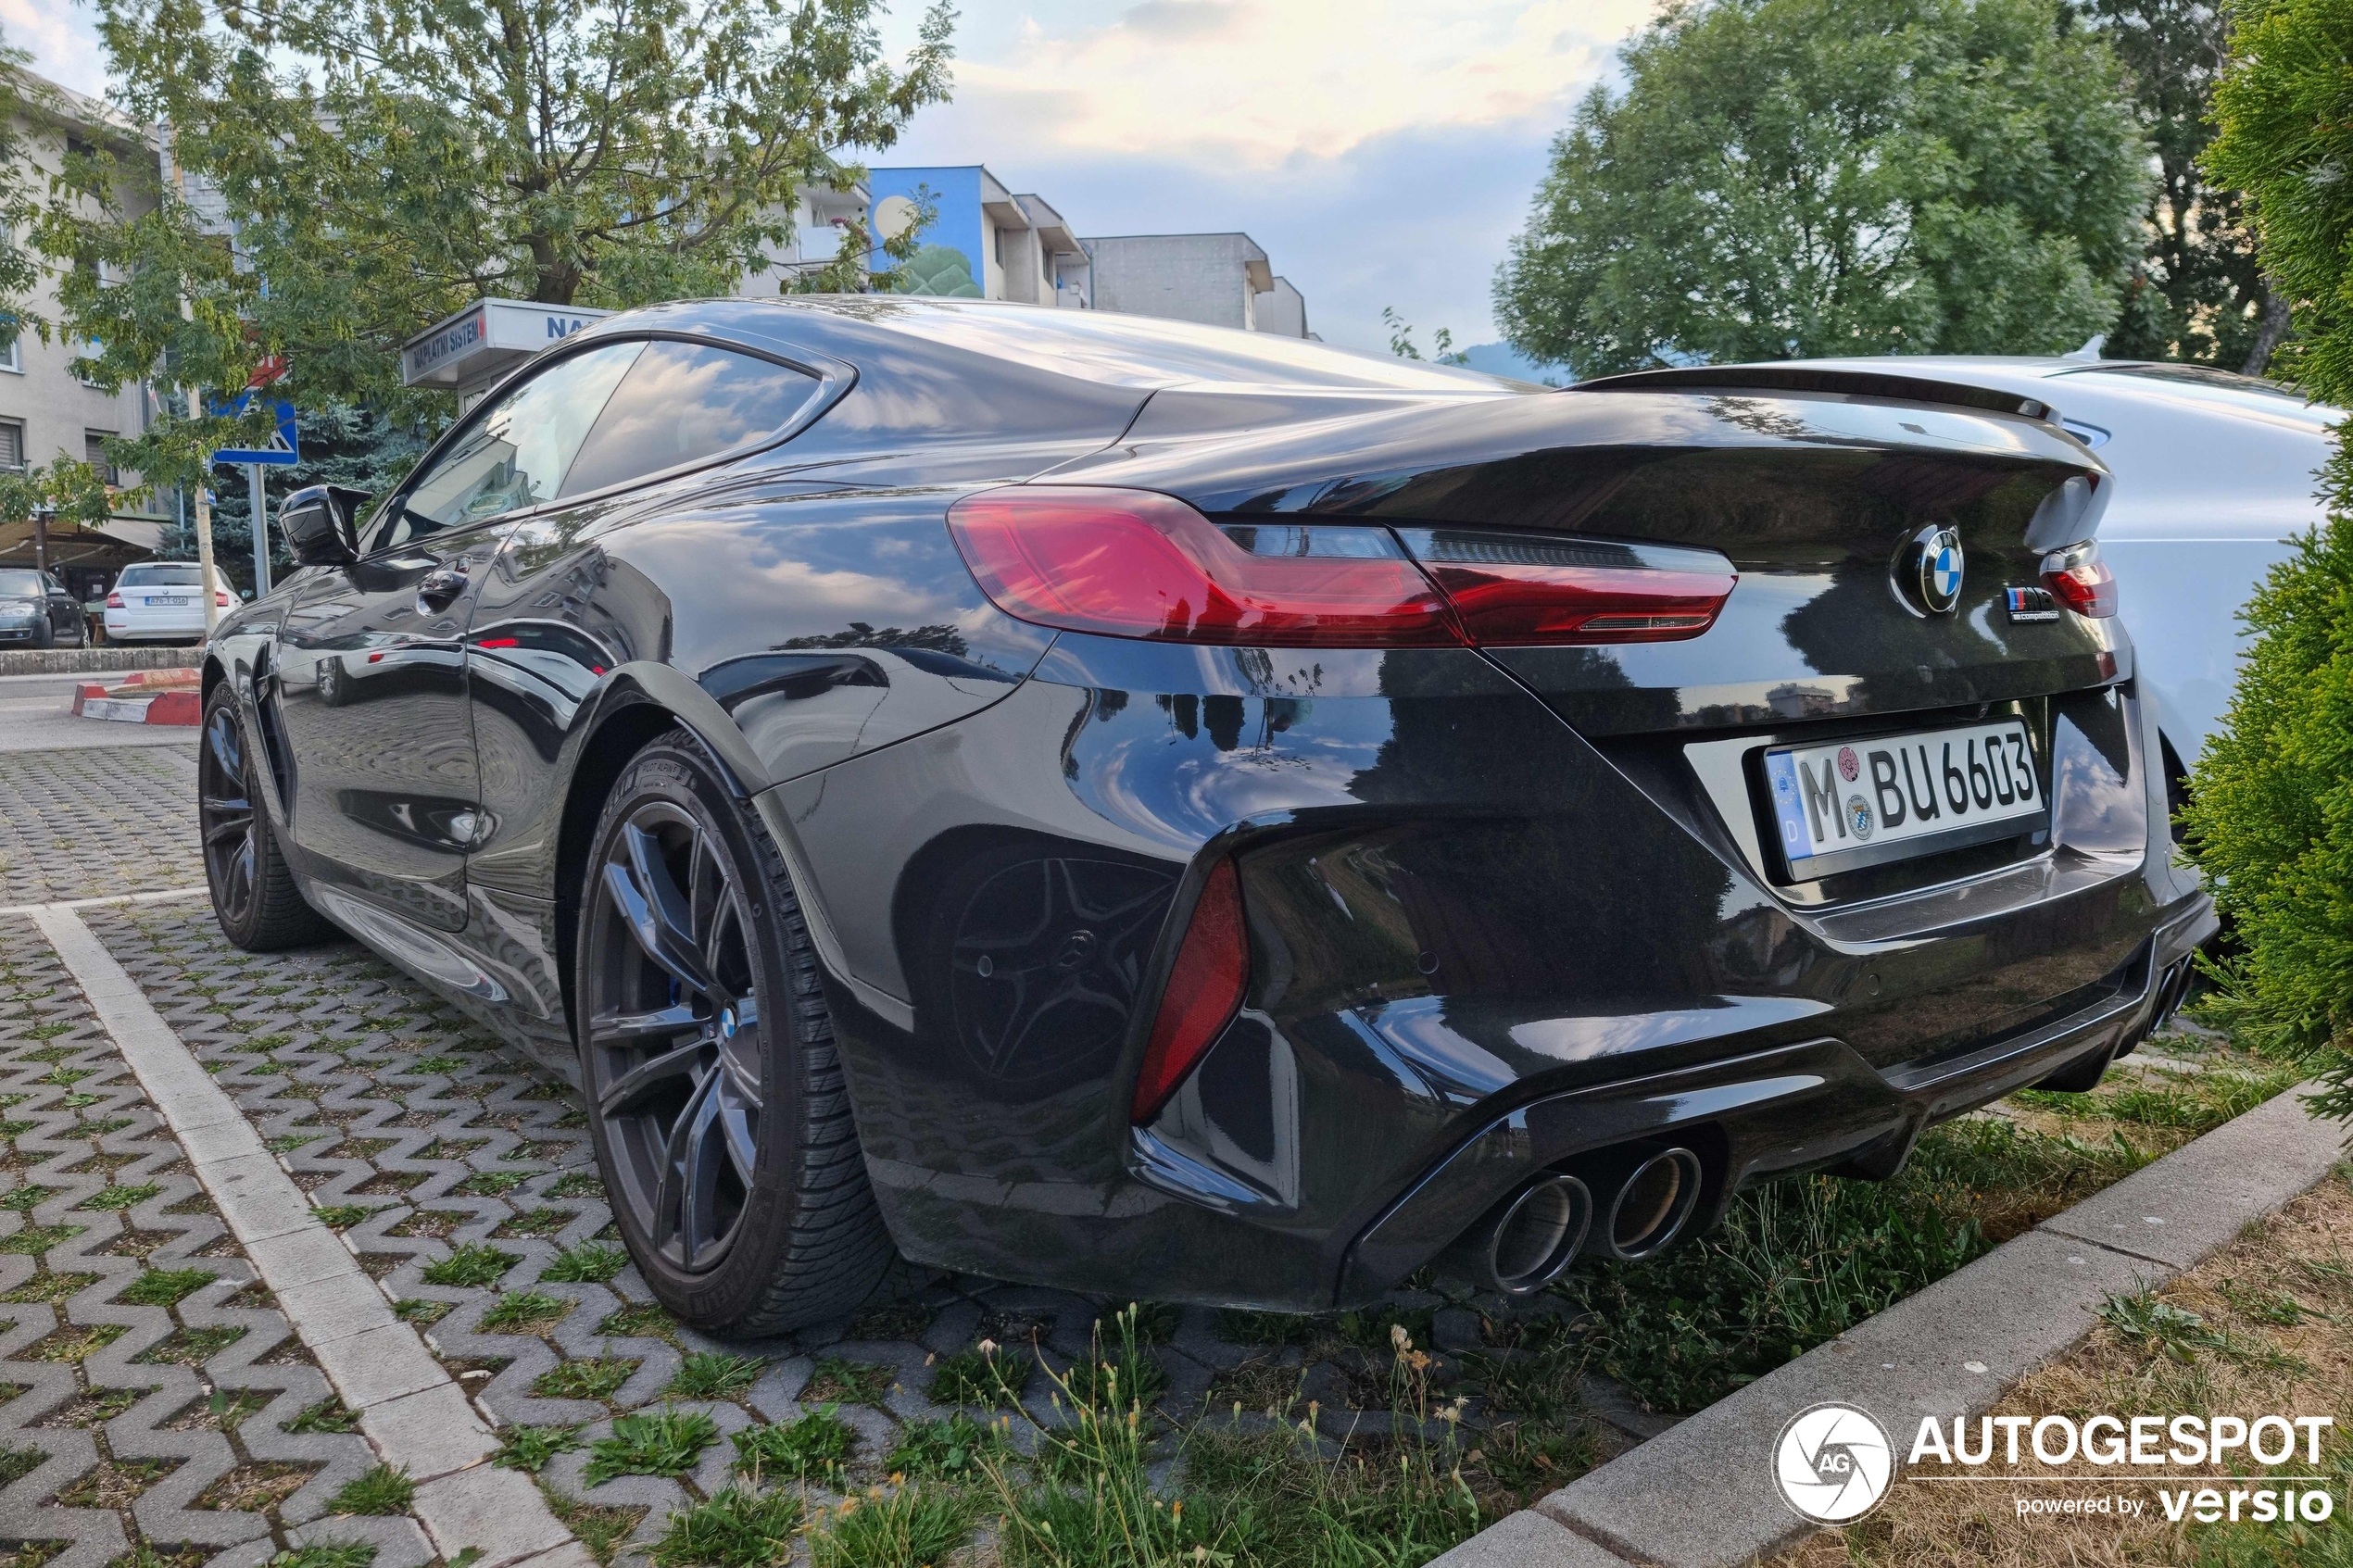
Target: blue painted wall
{"x": 955, "y": 192}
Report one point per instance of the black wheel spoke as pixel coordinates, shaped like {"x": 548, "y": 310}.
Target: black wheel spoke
{"x": 632, "y": 1087}
{"x": 651, "y": 907}
{"x": 615, "y": 1031}
{"x": 226, "y": 824}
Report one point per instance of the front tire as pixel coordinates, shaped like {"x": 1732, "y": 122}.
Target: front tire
{"x": 254, "y": 895}
{"x": 715, "y": 1094}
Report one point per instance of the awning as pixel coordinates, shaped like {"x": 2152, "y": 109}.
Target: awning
{"x": 117, "y": 544}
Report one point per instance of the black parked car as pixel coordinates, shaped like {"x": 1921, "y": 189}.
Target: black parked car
{"x": 1163, "y": 811}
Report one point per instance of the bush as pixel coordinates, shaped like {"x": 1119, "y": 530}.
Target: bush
{"x": 2271, "y": 814}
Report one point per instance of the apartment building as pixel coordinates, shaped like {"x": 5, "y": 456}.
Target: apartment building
{"x": 46, "y": 411}
{"x": 1217, "y": 280}
{"x": 984, "y": 239}
{"x": 818, "y": 219}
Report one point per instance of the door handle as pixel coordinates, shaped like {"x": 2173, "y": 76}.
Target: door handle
{"x": 437, "y": 587}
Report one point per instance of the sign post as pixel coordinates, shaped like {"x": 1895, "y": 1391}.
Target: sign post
{"x": 260, "y": 530}
{"x": 284, "y": 450}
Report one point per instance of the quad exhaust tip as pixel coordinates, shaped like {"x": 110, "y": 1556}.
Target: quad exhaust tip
{"x": 1536, "y": 1234}
{"x": 1648, "y": 1194}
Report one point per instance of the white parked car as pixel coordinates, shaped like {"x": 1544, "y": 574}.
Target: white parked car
{"x": 2214, "y": 472}
{"x": 159, "y": 601}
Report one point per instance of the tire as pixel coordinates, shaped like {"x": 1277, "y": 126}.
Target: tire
{"x": 45, "y": 633}
{"x": 715, "y": 1060}
{"x": 254, "y": 895}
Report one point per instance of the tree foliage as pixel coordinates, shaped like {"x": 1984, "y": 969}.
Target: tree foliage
{"x": 341, "y": 443}
{"x": 354, "y": 170}
{"x": 1806, "y": 177}
{"x": 2198, "y": 294}
{"x": 2270, "y": 813}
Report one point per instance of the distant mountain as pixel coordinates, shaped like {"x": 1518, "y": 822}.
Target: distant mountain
{"x": 1503, "y": 359}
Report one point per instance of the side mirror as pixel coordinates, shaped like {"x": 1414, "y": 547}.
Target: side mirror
{"x": 318, "y": 524}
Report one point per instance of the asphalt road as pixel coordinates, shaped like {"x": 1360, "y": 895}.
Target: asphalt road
{"x": 34, "y": 717}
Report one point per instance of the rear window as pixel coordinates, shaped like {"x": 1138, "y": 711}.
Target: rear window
{"x": 172, "y": 573}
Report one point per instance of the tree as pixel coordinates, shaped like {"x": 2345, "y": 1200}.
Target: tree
{"x": 1402, "y": 345}
{"x": 376, "y": 164}
{"x": 1806, "y": 177}
{"x": 2270, "y": 809}
{"x": 2198, "y": 294}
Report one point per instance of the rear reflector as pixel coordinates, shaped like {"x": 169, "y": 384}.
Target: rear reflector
{"x": 1520, "y": 589}
{"x": 2080, "y": 580}
{"x": 1134, "y": 563}
{"x": 1204, "y": 987}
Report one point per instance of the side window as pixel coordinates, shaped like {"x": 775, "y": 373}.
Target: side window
{"x": 513, "y": 454}
{"x": 683, "y": 401}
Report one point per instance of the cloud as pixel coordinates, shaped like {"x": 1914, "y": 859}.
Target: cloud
{"x": 62, "y": 39}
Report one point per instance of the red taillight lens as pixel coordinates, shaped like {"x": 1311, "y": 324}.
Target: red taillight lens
{"x": 1204, "y": 987}
{"x": 1512, "y": 588}
{"x": 221, "y": 597}
{"x": 1132, "y": 563}
{"x": 2080, "y": 580}
{"x": 114, "y": 601}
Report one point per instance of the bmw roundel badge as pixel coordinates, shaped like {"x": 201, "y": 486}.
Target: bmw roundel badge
{"x": 1930, "y": 566}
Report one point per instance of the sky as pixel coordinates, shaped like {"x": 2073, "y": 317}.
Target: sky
{"x": 1383, "y": 151}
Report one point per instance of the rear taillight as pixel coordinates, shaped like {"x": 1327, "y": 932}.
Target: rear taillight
{"x": 2080, "y": 580}
{"x": 1131, "y": 563}
{"x": 1204, "y": 987}
{"x": 1512, "y": 588}
{"x": 114, "y": 601}
{"x": 1134, "y": 563}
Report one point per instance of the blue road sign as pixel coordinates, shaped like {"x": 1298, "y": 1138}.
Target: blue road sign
{"x": 283, "y": 448}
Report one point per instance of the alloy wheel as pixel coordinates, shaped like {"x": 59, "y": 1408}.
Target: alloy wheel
{"x": 675, "y": 1044}
{"x": 226, "y": 815}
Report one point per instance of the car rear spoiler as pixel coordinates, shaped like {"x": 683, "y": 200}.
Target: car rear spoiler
{"x": 1812, "y": 377}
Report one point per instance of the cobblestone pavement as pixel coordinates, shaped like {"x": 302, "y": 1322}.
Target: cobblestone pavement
{"x": 463, "y": 1178}
{"x": 101, "y": 820}
{"x": 154, "y": 1396}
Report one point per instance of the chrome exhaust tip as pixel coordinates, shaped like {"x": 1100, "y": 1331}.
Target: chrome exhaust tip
{"x": 1648, "y": 1192}
{"x": 1535, "y": 1235}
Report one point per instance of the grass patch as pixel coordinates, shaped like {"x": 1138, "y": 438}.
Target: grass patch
{"x": 712, "y": 1375}
{"x": 603, "y": 1530}
{"x": 382, "y": 1490}
{"x": 947, "y": 1450}
{"x": 166, "y": 1287}
{"x": 192, "y": 1347}
{"x": 78, "y": 1344}
{"x": 327, "y": 1415}
{"x": 1801, "y": 1261}
{"x": 528, "y": 1449}
{"x": 982, "y": 1379}
{"x": 648, "y": 1322}
{"x": 813, "y": 1448}
{"x": 17, "y": 1463}
{"x": 49, "y": 1288}
{"x": 737, "y": 1528}
{"x": 913, "y": 1525}
{"x": 26, "y": 1198}
{"x": 589, "y": 1378}
{"x": 2190, "y": 1102}
{"x": 412, "y": 1308}
{"x": 472, "y": 1264}
{"x": 591, "y": 1262}
{"x": 342, "y": 1216}
{"x": 327, "y": 1554}
{"x": 535, "y": 1222}
{"x": 839, "y": 1381}
{"x": 524, "y": 1311}
{"x": 664, "y": 1442}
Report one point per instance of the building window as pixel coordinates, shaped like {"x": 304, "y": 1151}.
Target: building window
{"x": 12, "y": 446}
{"x": 93, "y": 445}
{"x": 12, "y": 357}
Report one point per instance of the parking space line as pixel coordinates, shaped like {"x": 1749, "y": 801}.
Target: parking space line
{"x": 169, "y": 894}
{"x": 415, "y": 1414}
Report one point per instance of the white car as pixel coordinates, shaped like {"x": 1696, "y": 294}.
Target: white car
{"x": 157, "y": 601}
{"x": 2214, "y": 473}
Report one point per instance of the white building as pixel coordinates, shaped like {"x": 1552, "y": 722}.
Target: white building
{"x": 1217, "y": 280}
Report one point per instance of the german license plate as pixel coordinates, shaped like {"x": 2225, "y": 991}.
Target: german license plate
{"x": 1862, "y": 802}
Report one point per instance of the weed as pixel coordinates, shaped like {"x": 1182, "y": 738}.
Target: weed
{"x": 984, "y": 1377}
{"x": 121, "y": 1197}
{"x": 589, "y": 1378}
{"x": 1119, "y": 1379}
{"x": 580, "y": 1183}
{"x": 664, "y": 1442}
{"x": 382, "y": 1490}
{"x": 535, "y": 1222}
{"x": 327, "y": 1554}
{"x": 26, "y": 1198}
{"x": 910, "y": 1528}
{"x": 342, "y": 1216}
{"x": 473, "y": 1263}
{"x": 17, "y": 1463}
{"x": 648, "y": 1322}
{"x": 737, "y": 1528}
{"x": 436, "y": 1064}
{"x": 713, "y": 1375}
{"x": 327, "y": 1415}
{"x": 948, "y": 1449}
{"x": 591, "y": 1262}
{"x": 843, "y": 1382}
{"x": 520, "y": 1312}
{"x": 166, "y": 1287}
{"x": 490, "y": 1183}
{"x": 410, "y": 1309}
{"x": 812, "y": 1448}
{"x": 529, "y": 1448}
{"x": 49, "y": 1288}
{"x": 603, "y": 1530}
{"x": 192, "y": 1347}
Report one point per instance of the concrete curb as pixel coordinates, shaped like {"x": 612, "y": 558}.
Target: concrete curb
{"x": 1701, "y": 1495}
{"x": 74, "y": 661}
{"x": 414, "y": 1413}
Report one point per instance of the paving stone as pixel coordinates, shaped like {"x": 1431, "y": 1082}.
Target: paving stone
{"x": 1527, "y": 1541}
{"x": 499, "y": 1512}
{"x": 91, "y": 824}
{"x": 82, "y": 1125}
{"x": 429, "y": 1433}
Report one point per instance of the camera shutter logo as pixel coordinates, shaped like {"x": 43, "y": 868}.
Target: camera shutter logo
{"x": 1833, "y": 1463}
